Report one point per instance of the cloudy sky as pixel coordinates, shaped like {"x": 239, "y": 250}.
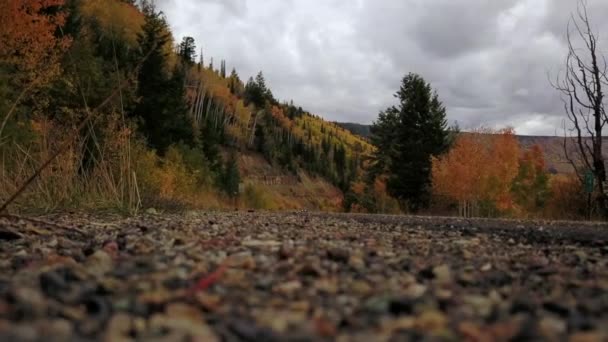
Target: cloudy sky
{"x": 344, "y": 59}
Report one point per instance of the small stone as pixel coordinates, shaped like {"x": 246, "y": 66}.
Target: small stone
{"x": 356, "y": 262}
{"x": 325, "y": 328}
{"x": 361, "y": 288}
{"x": 587, "y": 337}
{"x": 480, "y": 304}
{"x": 184, "y": 311}
{"x": 391, "y": 326}
{"x": 472, "y": 332}
{"x": 242, "y": 260}
{"x": 300, "y": 306}
{"x": 377, "y": 305}
{"x": 30, "y": 302}
{"x": 99, "y": 263}
{"x": 431, "y": 321}
{"x": 487, "y": 267}
{"x": 118, "y": 328}
{"x": 443, "y": 274}
{"x": 180, "y": 325}
{"x": 288, "y": 288}
{"x": 57, "y": 330}
{"x": 280, "y": 321}
{"x": 415, "y": 291}
{"x": 208, "y": 301}
{"x": 151, "y": 211}
{"x": 327, "y": 285}
{"x": 338, "y": 255}
{"x": 552, "y": 328}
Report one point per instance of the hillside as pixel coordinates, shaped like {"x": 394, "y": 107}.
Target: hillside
{"x": 116, "y": 113}
{"x": 123, "y": 114}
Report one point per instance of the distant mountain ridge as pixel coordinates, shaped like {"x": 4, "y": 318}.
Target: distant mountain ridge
{"x": 356, "y": 128}
{"x": 553, "y": 146}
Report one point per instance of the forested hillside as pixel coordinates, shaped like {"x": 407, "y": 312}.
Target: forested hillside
{"x": 101, "y": 107}
{"x": 128, "y": 116}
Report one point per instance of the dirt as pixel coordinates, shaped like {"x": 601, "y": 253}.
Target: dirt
{"x": 301, "y": 277}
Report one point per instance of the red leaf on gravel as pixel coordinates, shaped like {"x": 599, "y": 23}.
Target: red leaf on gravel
{"x": 210, "y": 279}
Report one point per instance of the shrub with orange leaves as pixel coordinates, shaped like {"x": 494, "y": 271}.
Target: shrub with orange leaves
{"x": 478, "y": 171}
{"x": 567, "y": 200}
{"x": 29, "y": 37}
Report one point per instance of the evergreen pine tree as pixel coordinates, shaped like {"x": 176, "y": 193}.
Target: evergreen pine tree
{"x": 231, "y": 177}
{"x": 407, "y": 136}
{"x": 223, "y": 69}
{"x": 162, "y": 108}
{"x": 234, "y": 82}
{"x": 187, "y": 50}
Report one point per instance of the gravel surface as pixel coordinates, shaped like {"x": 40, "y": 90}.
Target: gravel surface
{"x": 301, "y": 277}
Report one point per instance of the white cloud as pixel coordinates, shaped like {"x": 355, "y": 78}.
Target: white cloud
{"x": 343, "y": 60}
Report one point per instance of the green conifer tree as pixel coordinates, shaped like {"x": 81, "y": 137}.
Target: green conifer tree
{"x": 407, "y": 136}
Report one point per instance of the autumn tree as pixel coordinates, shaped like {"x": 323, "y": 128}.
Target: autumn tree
{"x": 29, "y": 34}
{"x": 30, "y": 50}
{"x": 407, "y": 136}
{"x": 457, "y": 175}
{"x": 501, "y": 168}
{"x": 582, "y": 88}
{"x": 567, "y": 199}
{"x": 478, "y": 172}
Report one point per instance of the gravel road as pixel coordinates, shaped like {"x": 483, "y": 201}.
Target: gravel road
{"x": 301, "y": 277}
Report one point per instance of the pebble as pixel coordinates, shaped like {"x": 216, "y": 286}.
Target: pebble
{"x": 273, "y": 277}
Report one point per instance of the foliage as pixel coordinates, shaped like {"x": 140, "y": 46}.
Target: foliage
{"x": 486, "y": 174}
{"x": 231, "y": 178}
{"x": 162, "y": 108}
{"x": 256, "y": 198}
{"x": 257, "y": 93}
{"x": 567, "y": 199}
{"x": 187, "y": 50}
{"x": 406, "y": 137}
{"x": 29, "y": 37}
{"x": 159, "y": 140}
{"x": 531, "y": 185}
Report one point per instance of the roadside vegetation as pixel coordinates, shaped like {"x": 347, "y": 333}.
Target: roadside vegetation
{"x": 102, "y": 108}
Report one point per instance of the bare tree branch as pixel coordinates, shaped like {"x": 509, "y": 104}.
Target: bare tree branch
{"x": 581, "y": 87}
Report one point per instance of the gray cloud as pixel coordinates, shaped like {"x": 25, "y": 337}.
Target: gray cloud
{"x": 343, "y": 60}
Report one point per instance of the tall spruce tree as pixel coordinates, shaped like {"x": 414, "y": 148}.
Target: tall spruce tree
{"x": 162, "y": 109}
{"x": 407, "y": 136}
{"x": 187, "y": 50}
{"x": 231, "y": 177}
